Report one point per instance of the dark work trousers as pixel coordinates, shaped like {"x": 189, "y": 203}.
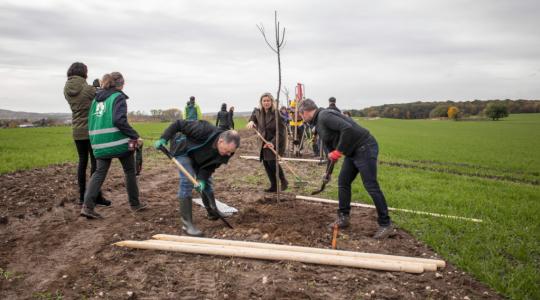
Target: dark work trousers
{"x": 363, "y": 161}
{"x": 270, "y": 168}
{"x": 103, "y": 164}
{"x": 84, "y": 149}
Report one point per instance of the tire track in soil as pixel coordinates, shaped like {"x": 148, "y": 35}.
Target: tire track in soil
{"x": 460, "y": 173}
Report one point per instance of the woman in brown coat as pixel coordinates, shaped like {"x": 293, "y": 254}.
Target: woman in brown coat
{"x": 263, "y": 119}
{"x": 79, "y": 95}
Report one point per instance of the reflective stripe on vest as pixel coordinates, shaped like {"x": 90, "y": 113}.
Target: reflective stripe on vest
{"x": 101, "y": 131}
{"x": 110, "y": 144}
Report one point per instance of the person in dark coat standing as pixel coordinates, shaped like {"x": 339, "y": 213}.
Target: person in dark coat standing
{"x": 79, "y": 95}
{"x": 342, "y": 136}
{"x": 263, "y": 119}
{"x": 332, "y": 104}
{"x": 231, "y": 116}
{"x": 223, "y": 120}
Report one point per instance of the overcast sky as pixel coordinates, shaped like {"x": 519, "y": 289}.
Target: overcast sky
{"x": 362, "y": 52}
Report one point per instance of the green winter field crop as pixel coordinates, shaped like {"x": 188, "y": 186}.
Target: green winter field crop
{"x": 484, "y": 169}
{"x": 27, "y": 148}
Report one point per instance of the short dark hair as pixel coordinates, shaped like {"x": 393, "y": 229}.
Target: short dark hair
{"x": 231, "y": 136}
{"x": 332, "y": 100}
{"x": 192, "y": 98}
{"x": 78, "y": 69}
{"x": 307, "y": 105}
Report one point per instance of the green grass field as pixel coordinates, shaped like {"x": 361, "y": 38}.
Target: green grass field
{"x": 27, "y": 148}
{"x": 484, "y": 169}
{"x": 504, "y": 251}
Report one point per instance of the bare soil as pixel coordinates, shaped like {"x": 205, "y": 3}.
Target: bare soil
{"x": 47, "y": 249}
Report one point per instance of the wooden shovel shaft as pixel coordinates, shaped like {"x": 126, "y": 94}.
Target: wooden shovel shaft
{"x": 184, "y": 171}
{"x": 179, "y": 165}
{"x": 277, "y": 155}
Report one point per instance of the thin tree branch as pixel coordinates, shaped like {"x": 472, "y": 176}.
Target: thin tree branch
{"x": 261, "y": 29}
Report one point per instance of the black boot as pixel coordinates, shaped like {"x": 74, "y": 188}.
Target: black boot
{"x": 343, "y": 221}
{"x": 89, "y": 213}
{"x": 186, "y": 206}
{"x": 384, "y": 232}
{"x": 283, "y": 180}
{"x": 270, "y": 172}
{"x": 210, "y": 213}
{"x": 213, "y": 211}
{"x": 284, "y": 184}
{"x": 102, "y": 201}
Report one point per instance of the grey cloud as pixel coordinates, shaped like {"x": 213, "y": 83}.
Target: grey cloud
{"x": 362, "y": 52}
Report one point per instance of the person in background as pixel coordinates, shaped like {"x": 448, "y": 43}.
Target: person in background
{"x": 347, "y": 113}
{"x": 263, "y": 119}
{"x": 223, "y": 120}
{"x": 111, "y": 136}
{"x": 79, "y": 95}
{"x": 231, "y": 116}
{"x": 332, "y": 104}
{"x": 192, "y": 111}
{"x": 284, "y": 114}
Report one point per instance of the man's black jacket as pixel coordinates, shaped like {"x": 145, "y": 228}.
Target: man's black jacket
{"x": 198, "y": 140}
{"x": 339, "y": 132}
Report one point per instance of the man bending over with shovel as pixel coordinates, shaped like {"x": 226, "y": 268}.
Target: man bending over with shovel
{"x": 200, "y": 148}
{"x": 344, "y": 137}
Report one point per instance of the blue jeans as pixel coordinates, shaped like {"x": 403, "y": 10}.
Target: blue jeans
{"x": 186, "y": 187}
{"x": 363, "y": 161}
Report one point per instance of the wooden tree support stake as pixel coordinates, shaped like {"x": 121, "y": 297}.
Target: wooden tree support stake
{"x": 320, "y": 200}
{"x": 428, "y": 264}
{"x": 266, "y": 254}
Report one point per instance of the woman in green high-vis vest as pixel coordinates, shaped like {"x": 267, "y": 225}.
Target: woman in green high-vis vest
{"x": 111, "y": 136}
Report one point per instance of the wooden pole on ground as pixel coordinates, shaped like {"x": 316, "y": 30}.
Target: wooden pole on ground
{"x": 285, "y": 159}
{"x": 265, "y": 254}
{"x": 313, "y": 199}
{"x": 428, "y": 264}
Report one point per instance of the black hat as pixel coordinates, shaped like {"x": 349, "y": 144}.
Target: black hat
{"x": 332, "y": 100}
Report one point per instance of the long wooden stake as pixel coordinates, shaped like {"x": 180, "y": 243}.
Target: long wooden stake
{"x": 390, "y": 208}
{"x": 265, "y": 254}
{"x": 428, "y": 264}
{"x": 251, "y": 157}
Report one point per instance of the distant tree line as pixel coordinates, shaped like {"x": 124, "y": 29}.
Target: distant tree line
{"x": 161, "y": 115}
{"x": 425, "y": 110}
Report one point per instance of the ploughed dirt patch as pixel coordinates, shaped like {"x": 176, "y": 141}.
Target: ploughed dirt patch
{"x": 47, "y": 249}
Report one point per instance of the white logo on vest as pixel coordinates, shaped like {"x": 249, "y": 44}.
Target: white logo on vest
{"x": 100, "y": 109}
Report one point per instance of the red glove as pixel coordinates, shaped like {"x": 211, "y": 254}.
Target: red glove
{"x": 335, "y": 155}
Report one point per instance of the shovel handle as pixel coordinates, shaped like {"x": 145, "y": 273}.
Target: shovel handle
{"x": 277, "y": 155}
{"x": 178, "y": 165}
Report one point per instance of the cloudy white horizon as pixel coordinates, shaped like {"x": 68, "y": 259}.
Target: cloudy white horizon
{"x": 363, "y": 53}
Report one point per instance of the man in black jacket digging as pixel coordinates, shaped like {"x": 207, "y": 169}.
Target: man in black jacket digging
{"x": 201, "y": 148}
{"x": 342, "y": 136}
